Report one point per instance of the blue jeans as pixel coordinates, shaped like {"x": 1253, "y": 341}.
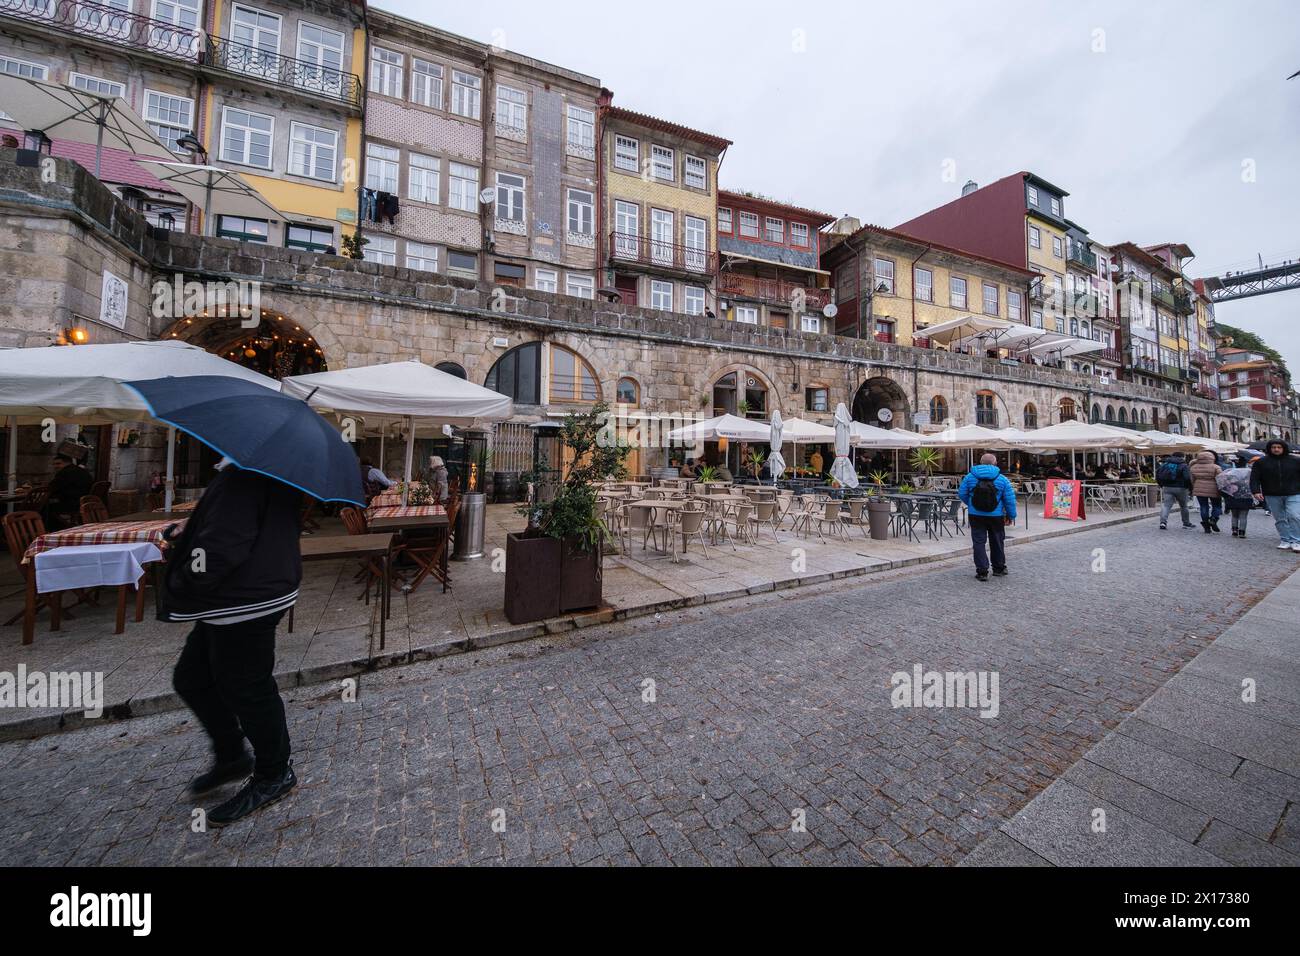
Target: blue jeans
{"x": 1285, "y": 510}
{"x": 990, "y": 531}
{"x": 1211, "y": 508}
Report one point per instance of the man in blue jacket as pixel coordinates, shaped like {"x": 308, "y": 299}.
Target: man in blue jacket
{"x": 991, "y": 505}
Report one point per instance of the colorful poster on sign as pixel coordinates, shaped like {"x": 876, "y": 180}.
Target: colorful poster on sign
{"x": 1064, "y": 500}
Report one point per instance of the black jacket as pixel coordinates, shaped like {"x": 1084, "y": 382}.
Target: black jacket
{"x": 1182, "y": 480}
{"x": 70, "y": 484}
{"x": 1273, "y": 476}
{"x": 249, "y": 561}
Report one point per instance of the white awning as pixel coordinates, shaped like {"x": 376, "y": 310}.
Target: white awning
{"x": 800, "y": 431}
{"x": 968, "y": 436}
{"x": 730, "y": 427}
{"x": 224, "y": 190}
{"x": 869, "y": 436}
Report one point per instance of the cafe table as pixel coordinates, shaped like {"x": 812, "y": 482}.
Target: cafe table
{"x": 661, "y": 504}
{"x": 412, "y": 518}
{"x": 342, "y": 546}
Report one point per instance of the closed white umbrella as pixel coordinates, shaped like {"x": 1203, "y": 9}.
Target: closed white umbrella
{"x": 842, "y": 469}
{"x": 775, "y": 461}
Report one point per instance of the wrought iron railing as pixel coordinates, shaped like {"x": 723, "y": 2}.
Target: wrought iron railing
{"x": 109, "y": 24}
{"x": 1082, "y": 257}
{"x": 1162, "y": 296}
{"x": 1183, "y": 303}
{"x": 1111, "y": 355}
{"x": 666, "y": 255}
{"x": 773, "y": 292}
{"x": 271, "y": 67}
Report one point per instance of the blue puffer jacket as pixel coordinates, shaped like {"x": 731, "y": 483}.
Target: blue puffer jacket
{"x": 1006, "y": 505}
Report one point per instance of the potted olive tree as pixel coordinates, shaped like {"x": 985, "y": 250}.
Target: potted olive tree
{"x": 555, "y": 566}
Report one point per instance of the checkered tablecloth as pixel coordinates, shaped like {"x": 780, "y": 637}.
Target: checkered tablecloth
{"x": 110, "y": 532}
{"x": 387, "y": 500}
{"x": 179, "y": 507}
{"x": 410, "y": 511}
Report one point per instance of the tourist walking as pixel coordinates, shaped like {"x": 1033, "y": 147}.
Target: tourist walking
{"x": 1234, "y": 488}
{"x": 1175, "y": 481}
{"x": 1205, "y": 470}
{"x": 990, "y": 503}
{"x": 1275, "y": 480}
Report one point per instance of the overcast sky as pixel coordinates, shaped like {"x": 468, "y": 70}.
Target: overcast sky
{"x": 1164, "y": 121}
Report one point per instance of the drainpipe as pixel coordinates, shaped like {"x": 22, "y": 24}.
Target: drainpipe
{"x": 365, "y": 27}
{"x": 603, "y": 101}
{"x": 488, "y": 114}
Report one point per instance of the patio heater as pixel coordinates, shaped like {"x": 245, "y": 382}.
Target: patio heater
{"x": 548, "y": 462}
{"x": 470, "y": 520}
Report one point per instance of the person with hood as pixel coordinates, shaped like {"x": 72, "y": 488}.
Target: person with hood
{"x": 232, "y": 573}
{"x": 1205, "y": 472}
{"x": 1175, "y": 481}
{"x": 438, "y": 481}
{"x": 1275, "y": 480}
{"x": 990, "y": 503}
{"x": 1234, "y": 488}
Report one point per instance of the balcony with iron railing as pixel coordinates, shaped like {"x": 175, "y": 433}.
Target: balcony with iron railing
{"x": 773, "y": 292}
{"x": 654, "y": 254}
{"x": 1202, "y": 358}
{"x": 270, "y": 67}
{"x": 1162, "y": 296}
{"x": 1113, "y": 356}
{"x": 1206, "y": 391}
{"x": 109, "y": 24}
{"x": 1082, "y": 257}
{"x": 1183, "y": 303}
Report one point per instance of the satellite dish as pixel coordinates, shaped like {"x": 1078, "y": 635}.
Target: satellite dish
{"x": 489, "y": 194}
{"x": 830, "y": 310}
{"x": 885, "y": 415}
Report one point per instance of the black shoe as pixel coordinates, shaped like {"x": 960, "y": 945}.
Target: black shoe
{"x": 222, "y": 773}
{"x": 1241, "y": 534}
{"x": 1205, "y": 526}
{"x": 1215, "y": 525}
{"x": 981, "y": 575}
{"x": 255, "y": 795}
{"x": 1163, "y": 526}
{"x": 999, "y": 572}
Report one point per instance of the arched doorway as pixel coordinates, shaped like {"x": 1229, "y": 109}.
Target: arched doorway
{"x": 883, "y": 403}
{"x": 746, "y": 393}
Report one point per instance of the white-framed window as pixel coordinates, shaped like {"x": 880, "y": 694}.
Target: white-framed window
{"x": 663, "y": 235}
{"x": 694, "y": 299}
{"x": 462, "y": 187}
{"x": 661, "y": 295}
{"x": 1035, "y": 238}
{"x": 170, "y": 117}
{"x": 466, "y": 94}
{"x": 582, "y": 128}
{"x": 1056, "y": 247}
{"x": 578, "y": 286}
{"x": 382, "y": 167}
{"x": 510, "y": 197}
{"x": 421, "y": 256}
{"x": 774, "y": 230}
{"x": 386, "y": 72}
{"x": 426, "y": 83}
{"x": 96, "y": 84}
{"x": 662, "y": 163}
{"x": 179, "y": 13}
{"x": 696, "y": 236}
{"x": 799, "y": 234}
{"x": 322, "y": 48}
{"x": 12, "y": 66}
{"x": 582, "y": 212}
{"x": 1014, "y": 306}
{"x": 246, "y": 137}
{"x": 627, "y": 229}
{"x": 991, "y": 303}
{"x": 312, "y": 151}
{"x": 546, "y": 280}
{"x": 749, "y": 224}
{"x": 381, "y": 249}
{"x": 697, "y": 173}
{"x": 512, "y": 108}
{"x": 884, "y": 276}
{"x": 957, "y": 292}
{"x": 258, "y": 34}
{"x": 1036, "y": 318}
{"x": 724, "y": 220}
{"x": 1056, "y": 206}
{"x": 747, "y": 314}
{"x": 423, "y": 178}
{"x": 627, "y": 153}
{"x": 923, "y": 284}
{"x": 1033, "y": 195}
{"x": 810, "y": 323}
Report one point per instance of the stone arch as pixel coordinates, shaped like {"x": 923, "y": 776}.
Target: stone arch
{"x": 1067, "y": 409}
{"x": 1223, "y": 431}
{"x": 280, "y": 316}
{"x": 1029, "y": 417}
{"x": 939, "y": 410}
{"x": 879, "y": 393}
{"x": 744, "y": 371}
{"x": 1200, "y": 427}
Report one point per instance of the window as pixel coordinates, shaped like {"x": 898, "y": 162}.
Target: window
{"x": 661, "y": 295}
{"x": 662, "y": 163}
{"x": 179, "y": 13}
{"x": 747, "y": 314}
{"x": 582, "y": 212}
{"x": 627, "y": 392}
{"x": 1036, "y": 318}
{"x": 462, "y": 187}
{"x": 259, "y": 35}
{"x": 572, "y": 379}
{"x": 778, "y": 320}
{"x": 423, "y": 178}
{"x": 246, "y": 137}
{"x": 466, "y": 94}
{"x": 749, "y": 225}
{"x": 884, "y": 276}
{"x": 986, "y": 409}
{"x": 245, "y": 230}
{"x": 1056, "y": 246}
{"x": 546, "y": 280}
{"x": 1035, "y": 238}
{"x": 518, "y": 374}
{"x": 697, "y": 244}
{"x": 627, "y": 153}
{"x": 1013, "y": 306}
{"x": 582, "y": 130}
{"x": 580, "y": 287}
{"x": 321, "y": 53}
{"x": 426, "y": 83}
{"x": 724, "y": 220}
{"x": 938, "y": 410}
{"x": 627, "y": 229}
{"x": 923, "y": 280}
{"x": 14, "y": 67}
{"x": 1031, "y": 416}
{"x": 421, "y": 256}
{"x": 512, "y": 108}
{"x": 774, "y": 230}
{"x": 463, "y": 263}
{"x": 815, "y": 398}
{"x": 97, "y": 85}
{"x": 694, "y": 300}
{"x": 1056, "y": 206}
{"x": 509, "y": 273}
{"x": 309, "y": 237}
{"x": 799, "y": 234}
{"x": 381, "y": 167}
{"x": 662, "y": 233}
{"x": 810, "y": 323}
{"x": 884, "y": 330}
{"x": 957, "y": 292}
{"x": 312, "y": 151}
{"x": 697, "y": 173}
{"x": 1033, "y": 195}
{"x": 990, "y": 299}
{"x": 510, "y": 197}
{"x": 381, "y": 249}
{"x": 170, "y": 117}
{"x": 452, "y": 368}
{"x": 386, "y": 72}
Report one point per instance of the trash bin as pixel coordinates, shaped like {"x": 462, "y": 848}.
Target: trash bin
{"x": 469, "y": 527}
{"x": 878, "y": 519}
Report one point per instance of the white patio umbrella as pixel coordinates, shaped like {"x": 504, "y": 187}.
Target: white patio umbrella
{"x": 1074, "y": 436}
{"x": 206, "y": 186}
{"x": 412, "y": 394}
{"x": 800, "y": 431}
{"x": 729, "y": 427}
{"x": 967, "y": 436}
{"x": 83, "y": 384}
{"x": 842, "y": 469}
{"x": 775, "y": 461}
{"x": 67, "y": 113}
{"x": 869, "y": 436}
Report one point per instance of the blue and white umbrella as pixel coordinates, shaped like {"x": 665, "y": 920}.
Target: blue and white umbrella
{"x": 775, "y": 461}
{"x": 842, "y": 470}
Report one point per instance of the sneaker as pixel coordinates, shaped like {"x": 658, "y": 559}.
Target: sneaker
{"x": 1215, "y": 525}
{"x": 1284, "y": 546}
{"x": 1163, "y": 526}
{"x": 1189, "y": 527}
{"x": 222, "y": 773}
{"x": 257, "y": 794}
{"x": 981, "y": 575}
{"x": 999, "y": 572}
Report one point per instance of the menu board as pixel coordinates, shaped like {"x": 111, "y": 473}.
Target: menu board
{"x": 1064, "y": 500}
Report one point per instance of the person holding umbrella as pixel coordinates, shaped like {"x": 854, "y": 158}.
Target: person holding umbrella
{"x": 1234, "y": 488}
{"x": 1275, "y": 480}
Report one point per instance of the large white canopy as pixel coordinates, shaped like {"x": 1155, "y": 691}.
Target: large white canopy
{"x": 83, "y": 383}
{"x": 205, "y": 186}
{"x": 800, "y": 431}
{"x": 730, "y": 427}
{"x": 869, "y": 436}
{"x": 1080, "y": 436}
{"x": 968, "y": 436}
{"x": 985, "y": 330}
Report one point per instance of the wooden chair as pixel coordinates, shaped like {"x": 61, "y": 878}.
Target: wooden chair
{"x": 307, "y": 524}
{"x": 428, "y": 552}
{"x": 369, "y": 570}
{"x": 21, "y": 529}
{"x": 93, "y": 509}
{"x": 100, "y": 490}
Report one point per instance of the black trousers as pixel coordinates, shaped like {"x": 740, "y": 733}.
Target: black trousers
{"x": 992, "y": 531}
{"x": 225, "y": 675}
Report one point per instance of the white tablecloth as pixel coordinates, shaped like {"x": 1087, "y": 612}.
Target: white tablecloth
{"x": 93, "y": 566}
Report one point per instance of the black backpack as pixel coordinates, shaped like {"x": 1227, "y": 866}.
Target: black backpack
{"x": 1168, "y": 475}
{"x": 985, "y": 497}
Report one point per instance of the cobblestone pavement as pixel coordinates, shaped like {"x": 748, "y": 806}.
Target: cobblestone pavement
{"x": 765, "y": 712}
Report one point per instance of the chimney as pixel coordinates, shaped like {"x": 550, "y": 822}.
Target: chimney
{"x": 969, "y": 188}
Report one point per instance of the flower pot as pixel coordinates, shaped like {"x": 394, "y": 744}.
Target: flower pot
{"x": 1153, "y": 496}
{"x": 532, "y": 578}
{"x": 581, "y": 578}
{"x": 878, "y": 520}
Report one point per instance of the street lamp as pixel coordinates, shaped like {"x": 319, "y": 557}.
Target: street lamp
{"x": 189, "y": 141}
